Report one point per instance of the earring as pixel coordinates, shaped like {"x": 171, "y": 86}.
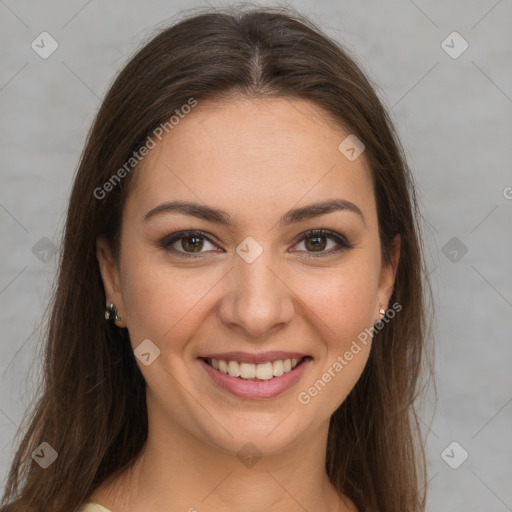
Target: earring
{"x": 111, "y": 313}
{"x": 382, "y": 311}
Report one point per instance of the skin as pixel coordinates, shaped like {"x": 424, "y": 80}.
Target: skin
{"x": 255, "y": 159}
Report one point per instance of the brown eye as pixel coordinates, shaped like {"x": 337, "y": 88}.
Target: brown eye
{"x": 316, "y": 243}
{"x": 186, "y": 244}
{"x": 192, "y": 243}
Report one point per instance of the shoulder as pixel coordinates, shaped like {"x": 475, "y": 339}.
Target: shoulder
{"x": 17, "y": 506}
{"x": 350, "y": 506}
{"x": 91, "y": 506}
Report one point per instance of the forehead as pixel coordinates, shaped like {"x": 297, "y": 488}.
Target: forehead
{"x": 252, "y": 153}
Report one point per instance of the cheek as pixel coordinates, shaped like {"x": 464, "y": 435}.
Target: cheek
{"x": 343, "y": 299}
{"x": 162, "y": 302}
{"x": 343, "y": 304}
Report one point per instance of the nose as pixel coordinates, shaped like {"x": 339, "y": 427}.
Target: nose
{"x": 257, "y": 300}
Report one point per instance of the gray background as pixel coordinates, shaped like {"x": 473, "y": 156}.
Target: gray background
{"x": 454, "y": 118}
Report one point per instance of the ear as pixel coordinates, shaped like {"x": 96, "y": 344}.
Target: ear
{"x": 110, "y": 276}
{"x": 388, "y": 274}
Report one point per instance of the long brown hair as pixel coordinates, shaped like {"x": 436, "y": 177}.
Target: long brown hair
{"x": 92, "y": 409}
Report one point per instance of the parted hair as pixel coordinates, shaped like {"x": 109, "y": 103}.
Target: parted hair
{"x": 92, "y": 403}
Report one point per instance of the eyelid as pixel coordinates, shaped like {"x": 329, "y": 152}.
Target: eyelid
{"x": 341, "y": 241}
{"x": 167, "y": 241}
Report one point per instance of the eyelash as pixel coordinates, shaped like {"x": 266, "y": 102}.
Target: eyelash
{"x": 167, "y": 242}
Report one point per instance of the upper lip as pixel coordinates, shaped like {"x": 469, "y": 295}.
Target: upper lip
{"x": 247, "y": 357}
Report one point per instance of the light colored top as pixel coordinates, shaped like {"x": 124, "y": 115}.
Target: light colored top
{"x": 91, "y": 506}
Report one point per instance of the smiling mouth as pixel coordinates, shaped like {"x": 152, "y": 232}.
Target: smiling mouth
{"x": 255, "y": 372}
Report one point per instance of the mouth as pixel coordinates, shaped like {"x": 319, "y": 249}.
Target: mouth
{"x": 255, "y": 372}
{"x": 266, "y": 376}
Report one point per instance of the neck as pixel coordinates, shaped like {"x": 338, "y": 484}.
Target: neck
{"x": 177, "y": 471}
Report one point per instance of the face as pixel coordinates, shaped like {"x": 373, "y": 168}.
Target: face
{"x": 244, "y": 281}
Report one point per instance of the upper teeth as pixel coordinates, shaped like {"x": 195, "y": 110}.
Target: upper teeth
{"x": 262, "y": 371}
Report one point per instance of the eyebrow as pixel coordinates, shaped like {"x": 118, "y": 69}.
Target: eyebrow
{"x": 219, "y": 216}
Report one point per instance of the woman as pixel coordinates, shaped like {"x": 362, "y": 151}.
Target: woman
{"x": 239, "y": 320}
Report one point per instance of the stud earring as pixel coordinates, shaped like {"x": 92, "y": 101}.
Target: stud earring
{"x": 382, "y": 311}
{"x": 111, "y": 313}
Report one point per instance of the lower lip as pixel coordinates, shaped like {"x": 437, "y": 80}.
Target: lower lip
{"x": 256, "y": 389}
